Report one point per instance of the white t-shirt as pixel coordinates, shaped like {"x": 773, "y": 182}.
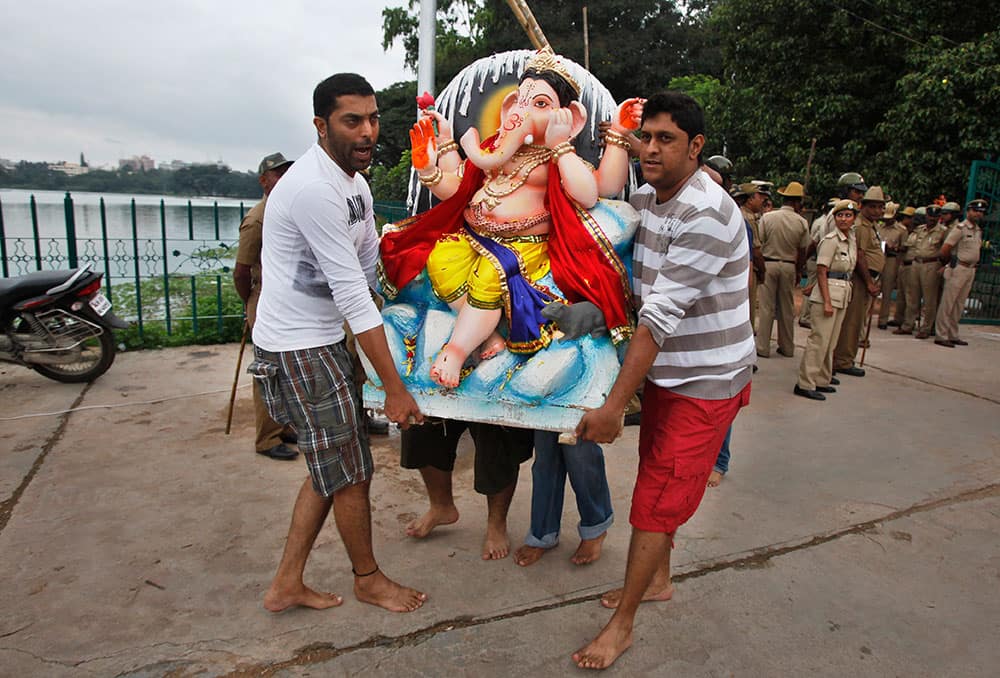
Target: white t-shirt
{"x": 318, "y": 257}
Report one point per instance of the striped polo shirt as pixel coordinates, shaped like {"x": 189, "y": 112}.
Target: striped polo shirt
{"x": 690, "y": 277}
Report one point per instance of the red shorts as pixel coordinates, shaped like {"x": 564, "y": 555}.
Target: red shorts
{"x": 679, "y": 441}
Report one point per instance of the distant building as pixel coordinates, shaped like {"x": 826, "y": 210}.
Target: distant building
{"x": 69, "y": 168}
{"x": 8, "y": 165}
{"x": 137, "y": 163}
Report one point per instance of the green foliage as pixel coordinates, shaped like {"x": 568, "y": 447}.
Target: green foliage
{"x": 390, "y": 184}
{"x": 635, "y": 45}
{"x": 797, "y": 70}
{"x": 207, "y": 180}
{"x": 927, "y": 142}
{"x": 398, "y": 110}
{"x": 185, "y": 314}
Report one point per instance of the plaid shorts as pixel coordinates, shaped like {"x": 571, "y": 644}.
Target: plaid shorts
{"x": 314, "y": 390}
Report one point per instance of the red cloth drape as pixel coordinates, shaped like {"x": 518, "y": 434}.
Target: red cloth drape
{"x": 584, "y": 265}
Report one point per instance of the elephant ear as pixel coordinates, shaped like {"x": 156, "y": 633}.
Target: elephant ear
{"x": 579, "y": 118}
{"x": 508, "y": 103}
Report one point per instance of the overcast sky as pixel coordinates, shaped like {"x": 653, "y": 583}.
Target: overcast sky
{"x": 194, "y": 80}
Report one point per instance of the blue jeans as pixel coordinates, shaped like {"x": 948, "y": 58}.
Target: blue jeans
{"x": 584, "y": 464}
{"x": 722, "y": 461}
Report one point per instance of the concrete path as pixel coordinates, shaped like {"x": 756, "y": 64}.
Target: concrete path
{"x": 856, "y": 536}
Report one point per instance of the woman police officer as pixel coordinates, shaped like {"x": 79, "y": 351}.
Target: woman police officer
{"x": 836, "y": 257}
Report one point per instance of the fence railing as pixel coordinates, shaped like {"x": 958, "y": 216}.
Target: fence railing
{"x": 165, "y": 270}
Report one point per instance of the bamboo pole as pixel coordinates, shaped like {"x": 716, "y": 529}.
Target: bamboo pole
{"x": 528, "y": 22}
{"x": 586, "y": 40}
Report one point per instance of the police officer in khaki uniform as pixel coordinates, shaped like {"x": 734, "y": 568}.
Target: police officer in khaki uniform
{"x": 950, "y": 212}
{"x": 893, "y": 234}
{"x": 871, "y": 261}
{"x": 925, "y": 277}
{"x": 271, "y": 436}
{"x": 752, "y": 208}
{"x": 784, "y": 239}
{"x": 904, "y": 218}
{"x": 836, "y": 260}
{"x": 815, "y": 235}
{"x": 966, "y": 242}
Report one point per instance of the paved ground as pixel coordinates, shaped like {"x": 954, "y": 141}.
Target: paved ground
{"x": 854, "y": 537}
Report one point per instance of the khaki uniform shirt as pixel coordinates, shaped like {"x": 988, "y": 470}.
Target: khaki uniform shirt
{"x": 839, "y": 253}
{"x": 821, "y": 227}
{"x": 927, "y": 241}
{"x": 251, "y": 233}
{"x": 782, "y": 234}
{"x": 966, "y": 240}
{"x": 754, "y": 220}
{"x": 910, "y": 243}
{"x": 894, "y": 236}
{"x": 869, "y": 243}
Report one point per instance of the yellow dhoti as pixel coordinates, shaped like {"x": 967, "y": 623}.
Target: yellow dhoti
{"x": 459, "y": 265}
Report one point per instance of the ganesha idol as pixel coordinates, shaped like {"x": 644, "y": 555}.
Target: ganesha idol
{"x": 512, "y": 292}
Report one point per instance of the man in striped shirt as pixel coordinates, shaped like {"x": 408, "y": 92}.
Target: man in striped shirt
{"x": 693, "y": 346}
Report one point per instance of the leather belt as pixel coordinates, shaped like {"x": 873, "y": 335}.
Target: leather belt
{"x": 962, "y": 263}
{"x": 838, "y": 275}
{"x": 781, "y": 261}
{"x": 890, "y": 254}
{"x": 907, "y": 263}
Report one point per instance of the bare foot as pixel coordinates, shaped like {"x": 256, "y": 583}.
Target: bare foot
{"x": 496, "y": 546}
{"x": 447, "y": 367}
{"x": 714, "y": 478}
{"x": 422, "y": 526}
{"x": 277, "y": 601}
{"x": 528, "y": 555}
{"x": 655, "y": 592}
{"x": 493, "y": 345}
{"x": 377, "y": 589}
{"x": 603, "y": 650}
{"x": 588, "y": 551}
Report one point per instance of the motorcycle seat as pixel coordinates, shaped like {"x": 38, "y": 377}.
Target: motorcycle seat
{"x": 14, "y": 290}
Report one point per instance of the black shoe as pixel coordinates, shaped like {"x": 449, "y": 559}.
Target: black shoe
{"x": 944, "y": 342}
{"x": 959, "y": 342}
{"x": 883, "y": 326}
{"x": 826, "y": 389}
{"x": 834, "y": 381}
{"x": 755, "y": 368}
{"x": 279, "y": 451}
{"x": 787, "y": 355}
{"x": 290, "y": 437}
{"x": 808, "y": 326}
{"x": 377, "y": 427}
{"x": 812, "y": 395}
{"x": 633, "y": 419}
{"x": 893, "y": 323}
{"x": 851, "y": 371}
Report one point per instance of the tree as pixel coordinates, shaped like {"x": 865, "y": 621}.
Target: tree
{"x": 636, "y": 46}
{"x": 930, "y": 147}
{"x": 795, "y": 70}
{"x": 397, "y": 107}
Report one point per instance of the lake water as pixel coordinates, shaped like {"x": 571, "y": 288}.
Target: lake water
{"x": 14, "y": 204}
{"x": 145, "y": 256}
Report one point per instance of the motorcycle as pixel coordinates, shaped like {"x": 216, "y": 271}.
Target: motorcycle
{"x": 58, "y": 323}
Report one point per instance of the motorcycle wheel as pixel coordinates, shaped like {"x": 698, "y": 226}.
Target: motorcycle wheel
{"x": 97, "y": 354}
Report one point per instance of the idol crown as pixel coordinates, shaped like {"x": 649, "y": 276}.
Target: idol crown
{"x": 546, "y": 60}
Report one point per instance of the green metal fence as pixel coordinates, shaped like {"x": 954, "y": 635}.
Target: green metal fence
{"x": 983, "y": 306}
{"x": 174, "y": 290}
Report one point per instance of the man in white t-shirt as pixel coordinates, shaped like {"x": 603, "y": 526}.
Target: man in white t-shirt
{"x": 318, "y": 262}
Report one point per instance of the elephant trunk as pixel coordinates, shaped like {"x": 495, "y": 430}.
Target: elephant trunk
{"x": 506, "y": 146}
